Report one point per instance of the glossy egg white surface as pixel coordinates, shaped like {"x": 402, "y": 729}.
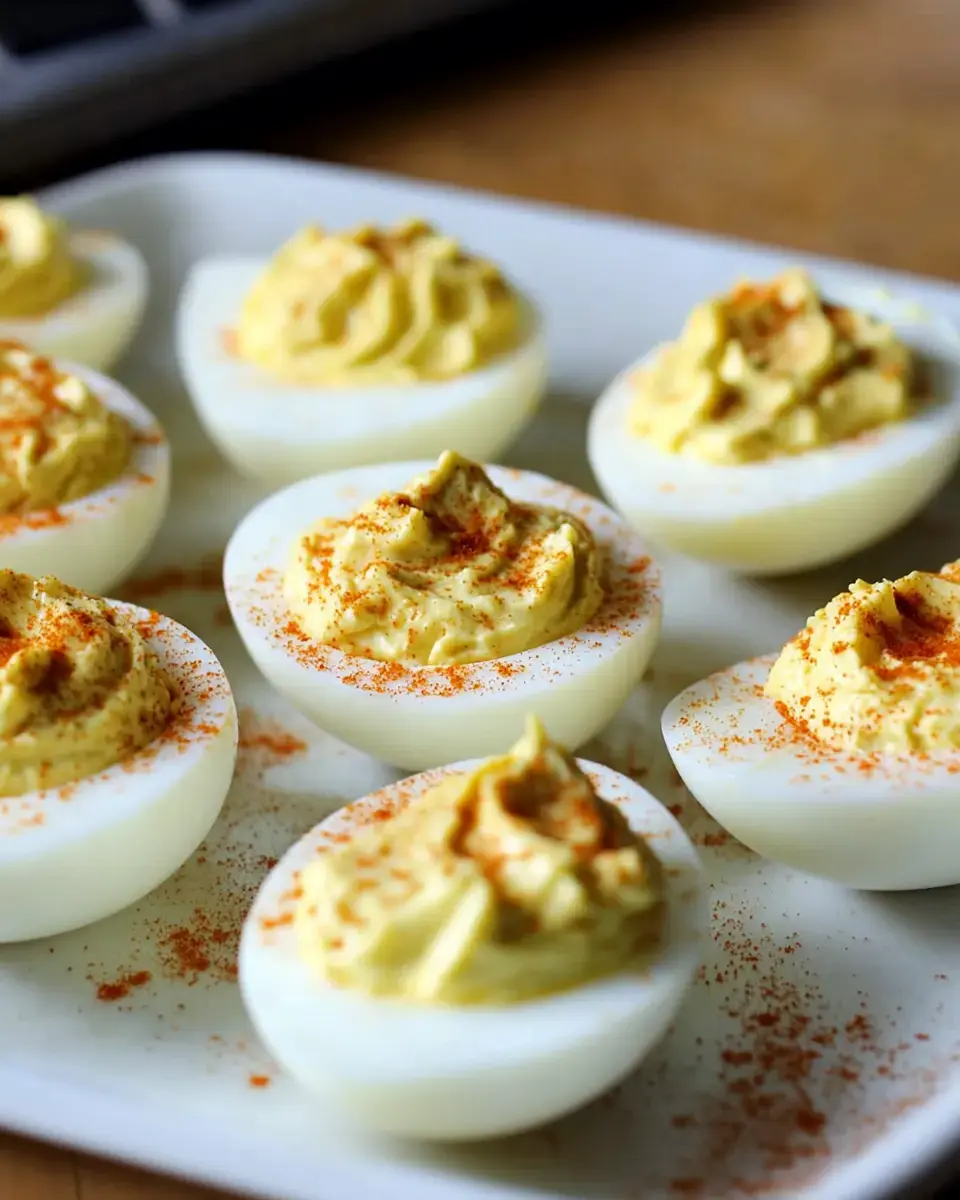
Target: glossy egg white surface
{"x": 81, "y": 852}
{"x": 464, "y": 1072}
{"x": 874, "y": 821}
{"x": 96, "y": 325}
{"x": 279, "y": 431}
{"x": 794, "y": 512}
{"x": 419, "y": 716}
{"x": 94, "y": 542}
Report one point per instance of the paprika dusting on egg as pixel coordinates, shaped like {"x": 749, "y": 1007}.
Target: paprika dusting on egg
{"x": 58, "y": 441}
{"x": 877, "y": 669}
{"x": 470, "y": 857}
{"x": 46, "y": 518}
{"x": 80, "y": 688}
{"x": 447, "y": 572}
{"x": 772, "y": 369}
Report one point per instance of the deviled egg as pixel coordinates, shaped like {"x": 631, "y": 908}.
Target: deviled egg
{"x": 69, "y": 294}
{"x": 360, "y": 347}
{"x": 495, "y": 944}
{"x": 118, "y": 737}
{"x": 418, "y": 611}
{"x": 840, "y": 757}
{"x": 782, "y": 430}
{"x": 84, "y": 472}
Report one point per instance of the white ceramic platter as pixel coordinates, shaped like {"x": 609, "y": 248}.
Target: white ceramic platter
{"x": 817, "y": 1056}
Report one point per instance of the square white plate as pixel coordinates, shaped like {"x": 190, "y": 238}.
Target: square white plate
{"x": 817, "y": 1055}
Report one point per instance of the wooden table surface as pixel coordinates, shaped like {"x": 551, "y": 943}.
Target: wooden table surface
{"x": 829, "y": 125}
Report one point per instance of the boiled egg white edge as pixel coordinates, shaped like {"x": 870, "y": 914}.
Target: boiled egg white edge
{"x": 96, "y": 325}
{"x": 460, "y": 1072}
{"x": 279, "y": 431}
{"x": 793, "y": 512}
{"x": 863, "y": 820}
{"x": 81, "y": 852}
{"x": 92, "y": 543}
{"x": 417, "y": 717}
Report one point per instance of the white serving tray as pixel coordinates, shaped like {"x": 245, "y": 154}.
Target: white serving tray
{"x": 817, "y": 1057}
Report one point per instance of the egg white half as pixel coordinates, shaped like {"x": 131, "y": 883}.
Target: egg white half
{"x": 872, "y": 821}
{"x": 279, "y": 431}
{"x": 94, "y": 542}
{"x": 444, "y": 1072}
{"x": 96, "y": 325}
{"x": 81, "y": 852}
{"x": 417, "y": 717}
{"x": 793, "y": 512}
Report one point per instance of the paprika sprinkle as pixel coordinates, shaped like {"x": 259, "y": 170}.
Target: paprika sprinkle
{"x": 82, "y": 689}
{"x": 446, "y": 572}
{"x": 399, "y": 709}
{"x": 120, "y": 988}
{"x": 484, "y": 839}
{"x": 877, "y": 669}
{"x": 195, "y": 942}
{"x": 841, "y": 757}
{"x": 772, "y": 369}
